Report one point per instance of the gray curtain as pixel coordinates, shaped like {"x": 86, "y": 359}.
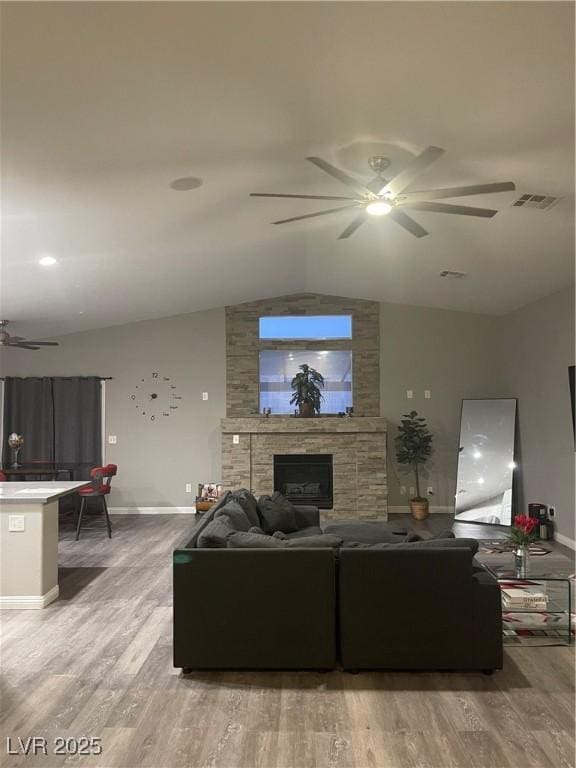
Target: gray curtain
{"x": 59, "y": 418}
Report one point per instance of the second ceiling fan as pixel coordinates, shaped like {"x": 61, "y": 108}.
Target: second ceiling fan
{"x": 388, "y": 197}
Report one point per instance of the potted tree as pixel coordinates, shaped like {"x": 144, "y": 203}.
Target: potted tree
{"x": 307, "y": 395}
{"x": 413, "y": 448}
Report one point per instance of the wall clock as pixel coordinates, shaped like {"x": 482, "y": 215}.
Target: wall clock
{"x": 155, "y": 397}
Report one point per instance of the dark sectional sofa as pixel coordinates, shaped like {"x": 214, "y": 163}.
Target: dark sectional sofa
{"x": 356, "y": 594}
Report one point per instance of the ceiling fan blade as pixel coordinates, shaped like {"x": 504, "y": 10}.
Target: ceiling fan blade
{"x": 353, "y": 226}
{"x": 407, "y": 222}
{"x": 475, "y": 189}
{"x": 318, "y": 213}
{"x": 463, "y": 210}
{"x": 357, "y": 186}
{"x": 43, "y": 343}
{"x": 413, "y": 169}
{"x": 20, "y": 345}
{"x": 301, "y": 197}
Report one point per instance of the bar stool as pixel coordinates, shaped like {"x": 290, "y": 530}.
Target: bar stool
{"x": 100, "y": 488}
{"x": 3, "y": 478}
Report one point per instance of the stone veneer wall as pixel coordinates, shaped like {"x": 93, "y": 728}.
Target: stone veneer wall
{"x": 243, "y": 346}
{"x": 358, "y": 447}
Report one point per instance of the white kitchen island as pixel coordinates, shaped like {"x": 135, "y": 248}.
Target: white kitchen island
{"x": 29, "y": 542}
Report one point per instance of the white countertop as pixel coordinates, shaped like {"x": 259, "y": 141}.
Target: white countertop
{"x": 40, "y": 492}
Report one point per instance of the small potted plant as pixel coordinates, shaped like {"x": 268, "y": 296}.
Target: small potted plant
{"x": 414, "y": 448}
{"x": 522, "y": 534}
{"x": 307, "y": 395}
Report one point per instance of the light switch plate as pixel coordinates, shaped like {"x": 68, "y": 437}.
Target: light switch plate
{"x": 204, "y": 395}
{"x": 16, "y": 523}
{"x": 409, "y": 394}
{"x": 112, "y": 439}
{"x": 188, "y": 487}
{"x": 235, "y": 439}
{"x": 427, "y": 394}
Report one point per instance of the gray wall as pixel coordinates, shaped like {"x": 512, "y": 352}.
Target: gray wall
{"x": 536, "y": 346}
{"x": 449, "y": 353}
{"x": 155, "y": 459}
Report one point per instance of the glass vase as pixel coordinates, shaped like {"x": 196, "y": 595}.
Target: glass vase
{"x": 521, "y": 561}
{"x": 15, "y": 454}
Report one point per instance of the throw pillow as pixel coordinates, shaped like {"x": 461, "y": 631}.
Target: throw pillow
{"x": 247, "y": 540}
{"x": 277, "y": 515}
{"x": 248, "y": 504}
{"x": 216, "y": 534}
{"x": 236, "y": 514}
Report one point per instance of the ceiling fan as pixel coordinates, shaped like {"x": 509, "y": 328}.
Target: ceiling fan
{"x": 388, "y": 197}
{"x": 6, "y": 340}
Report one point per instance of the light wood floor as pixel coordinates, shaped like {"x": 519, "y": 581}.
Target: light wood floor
{"x": 98, "y": 663}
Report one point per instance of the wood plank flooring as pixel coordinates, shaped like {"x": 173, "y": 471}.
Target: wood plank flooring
{"x": 98, "y": 663}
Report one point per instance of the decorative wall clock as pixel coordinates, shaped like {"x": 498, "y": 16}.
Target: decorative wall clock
{"x": 155, "y": 397}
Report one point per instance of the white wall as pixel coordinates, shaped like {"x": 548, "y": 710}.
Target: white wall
{"x": 155, "y": 459}
{"x": 536, "y": 346}
{"x": 450, "y": 354}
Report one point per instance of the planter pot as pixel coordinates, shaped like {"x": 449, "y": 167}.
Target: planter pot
{"x": 307, "y": 410}
{"x": 419, "y": 509}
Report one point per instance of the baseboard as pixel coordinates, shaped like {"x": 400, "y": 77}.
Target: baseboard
{"x": 152, "y": 510}
{"x": 434, "y": 510}
{"x": 561, "y": 539}
{"x": 29, "y": 601}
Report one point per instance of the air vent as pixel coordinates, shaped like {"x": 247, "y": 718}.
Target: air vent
{"x": 543, "y": 202}
{"x": 452, "y": 273}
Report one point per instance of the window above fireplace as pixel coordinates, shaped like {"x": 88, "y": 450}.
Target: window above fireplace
{"x": 278, "y": 368}
{"x": 306, "y": 327}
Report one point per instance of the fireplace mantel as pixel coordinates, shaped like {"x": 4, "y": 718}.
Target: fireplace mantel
{"x": 357, "y": 444}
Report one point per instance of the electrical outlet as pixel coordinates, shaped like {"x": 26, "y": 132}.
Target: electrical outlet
{"x": 235, "y": 439}
{"x": 204, "y": 395}
{"x": 188, "y": 487}
{"x": 16, "y": 523}
{"x": 402, "y": 490}
{"x": 430, "y": 491}
{"x": 552, "y": 511}
{"x": 427, "y": 394}
{"x": 409, "y": 394}
{"x": 412, "y": 491}
{"x": 112, "y": 439}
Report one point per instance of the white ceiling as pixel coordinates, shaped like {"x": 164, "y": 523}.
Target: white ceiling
{"x": 104, "y": 104}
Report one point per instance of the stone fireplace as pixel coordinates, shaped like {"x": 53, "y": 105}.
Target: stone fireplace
{"x": 264, "y": 454}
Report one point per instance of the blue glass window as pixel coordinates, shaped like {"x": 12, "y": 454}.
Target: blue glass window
{"x": 278, "y": 368}
{"x": 319, "y": 327}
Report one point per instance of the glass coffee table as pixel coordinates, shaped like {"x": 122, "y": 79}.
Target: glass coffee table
{"x": 538, "y": 626}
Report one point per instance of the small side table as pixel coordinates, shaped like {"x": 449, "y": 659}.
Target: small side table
{"x": 538, "y": 626}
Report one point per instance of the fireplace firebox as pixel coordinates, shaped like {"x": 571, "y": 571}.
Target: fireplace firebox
{"x": 305, "y": 478}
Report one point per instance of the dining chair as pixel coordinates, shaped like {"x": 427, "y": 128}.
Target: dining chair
{"x": 100, "y": 488}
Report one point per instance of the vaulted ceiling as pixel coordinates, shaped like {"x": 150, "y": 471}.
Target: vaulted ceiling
{"x": 105, "y": 104}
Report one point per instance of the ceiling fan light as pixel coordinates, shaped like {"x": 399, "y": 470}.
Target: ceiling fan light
{"x": 378, "y": 208}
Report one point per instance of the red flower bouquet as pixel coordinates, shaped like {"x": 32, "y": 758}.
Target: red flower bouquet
{"x": 523, "y": 531}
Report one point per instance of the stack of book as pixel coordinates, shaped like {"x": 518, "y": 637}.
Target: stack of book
{"x": 521, "y": 597}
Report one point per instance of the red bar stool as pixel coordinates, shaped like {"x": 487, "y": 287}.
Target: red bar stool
{"x": 100, "y": 488}
{"x": 3, "y": 478}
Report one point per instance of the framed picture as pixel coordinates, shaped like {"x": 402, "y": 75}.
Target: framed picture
{"x": 209, "y": 491}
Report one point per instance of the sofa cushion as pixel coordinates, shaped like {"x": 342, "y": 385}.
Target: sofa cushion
{"x": 215, "y": 534}
{"x": 311, "y": 530}
{"x": 471, "y": 544}
{"x": 235, "y": 513}
{"x": 242, "y": 540}
{"x": 366, "y": 532}
{"x": 249, "y": 504}
{"x": 448, "y": 533}
{"x": 277, "y": 514}
{"x": 257, "y": 529}
{"x": 206, "y": 519}
{"x": 239, "y": 539}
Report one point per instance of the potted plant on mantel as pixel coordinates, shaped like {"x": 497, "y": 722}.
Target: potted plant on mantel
{"x": 414, "y": 448}
{"x": 307, "y": 395}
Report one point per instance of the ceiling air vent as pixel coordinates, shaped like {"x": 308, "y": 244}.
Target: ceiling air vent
{"x": 452, "y": 273}
{"x": 543, "y": 202}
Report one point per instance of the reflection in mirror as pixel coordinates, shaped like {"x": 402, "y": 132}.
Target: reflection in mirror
{"x": 486, "y": 461}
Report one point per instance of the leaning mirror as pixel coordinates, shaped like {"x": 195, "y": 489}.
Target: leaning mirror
{"x": 486, "y": 461}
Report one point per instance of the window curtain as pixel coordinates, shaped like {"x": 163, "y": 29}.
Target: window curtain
{"x": 59, "y": 418}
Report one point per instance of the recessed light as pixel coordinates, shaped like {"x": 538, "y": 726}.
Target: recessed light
{"x": 186, "y": 183}
{"x": 47, "y": 261}
{"x": 379, "y": 208}
{"x": 477, "y": 455}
